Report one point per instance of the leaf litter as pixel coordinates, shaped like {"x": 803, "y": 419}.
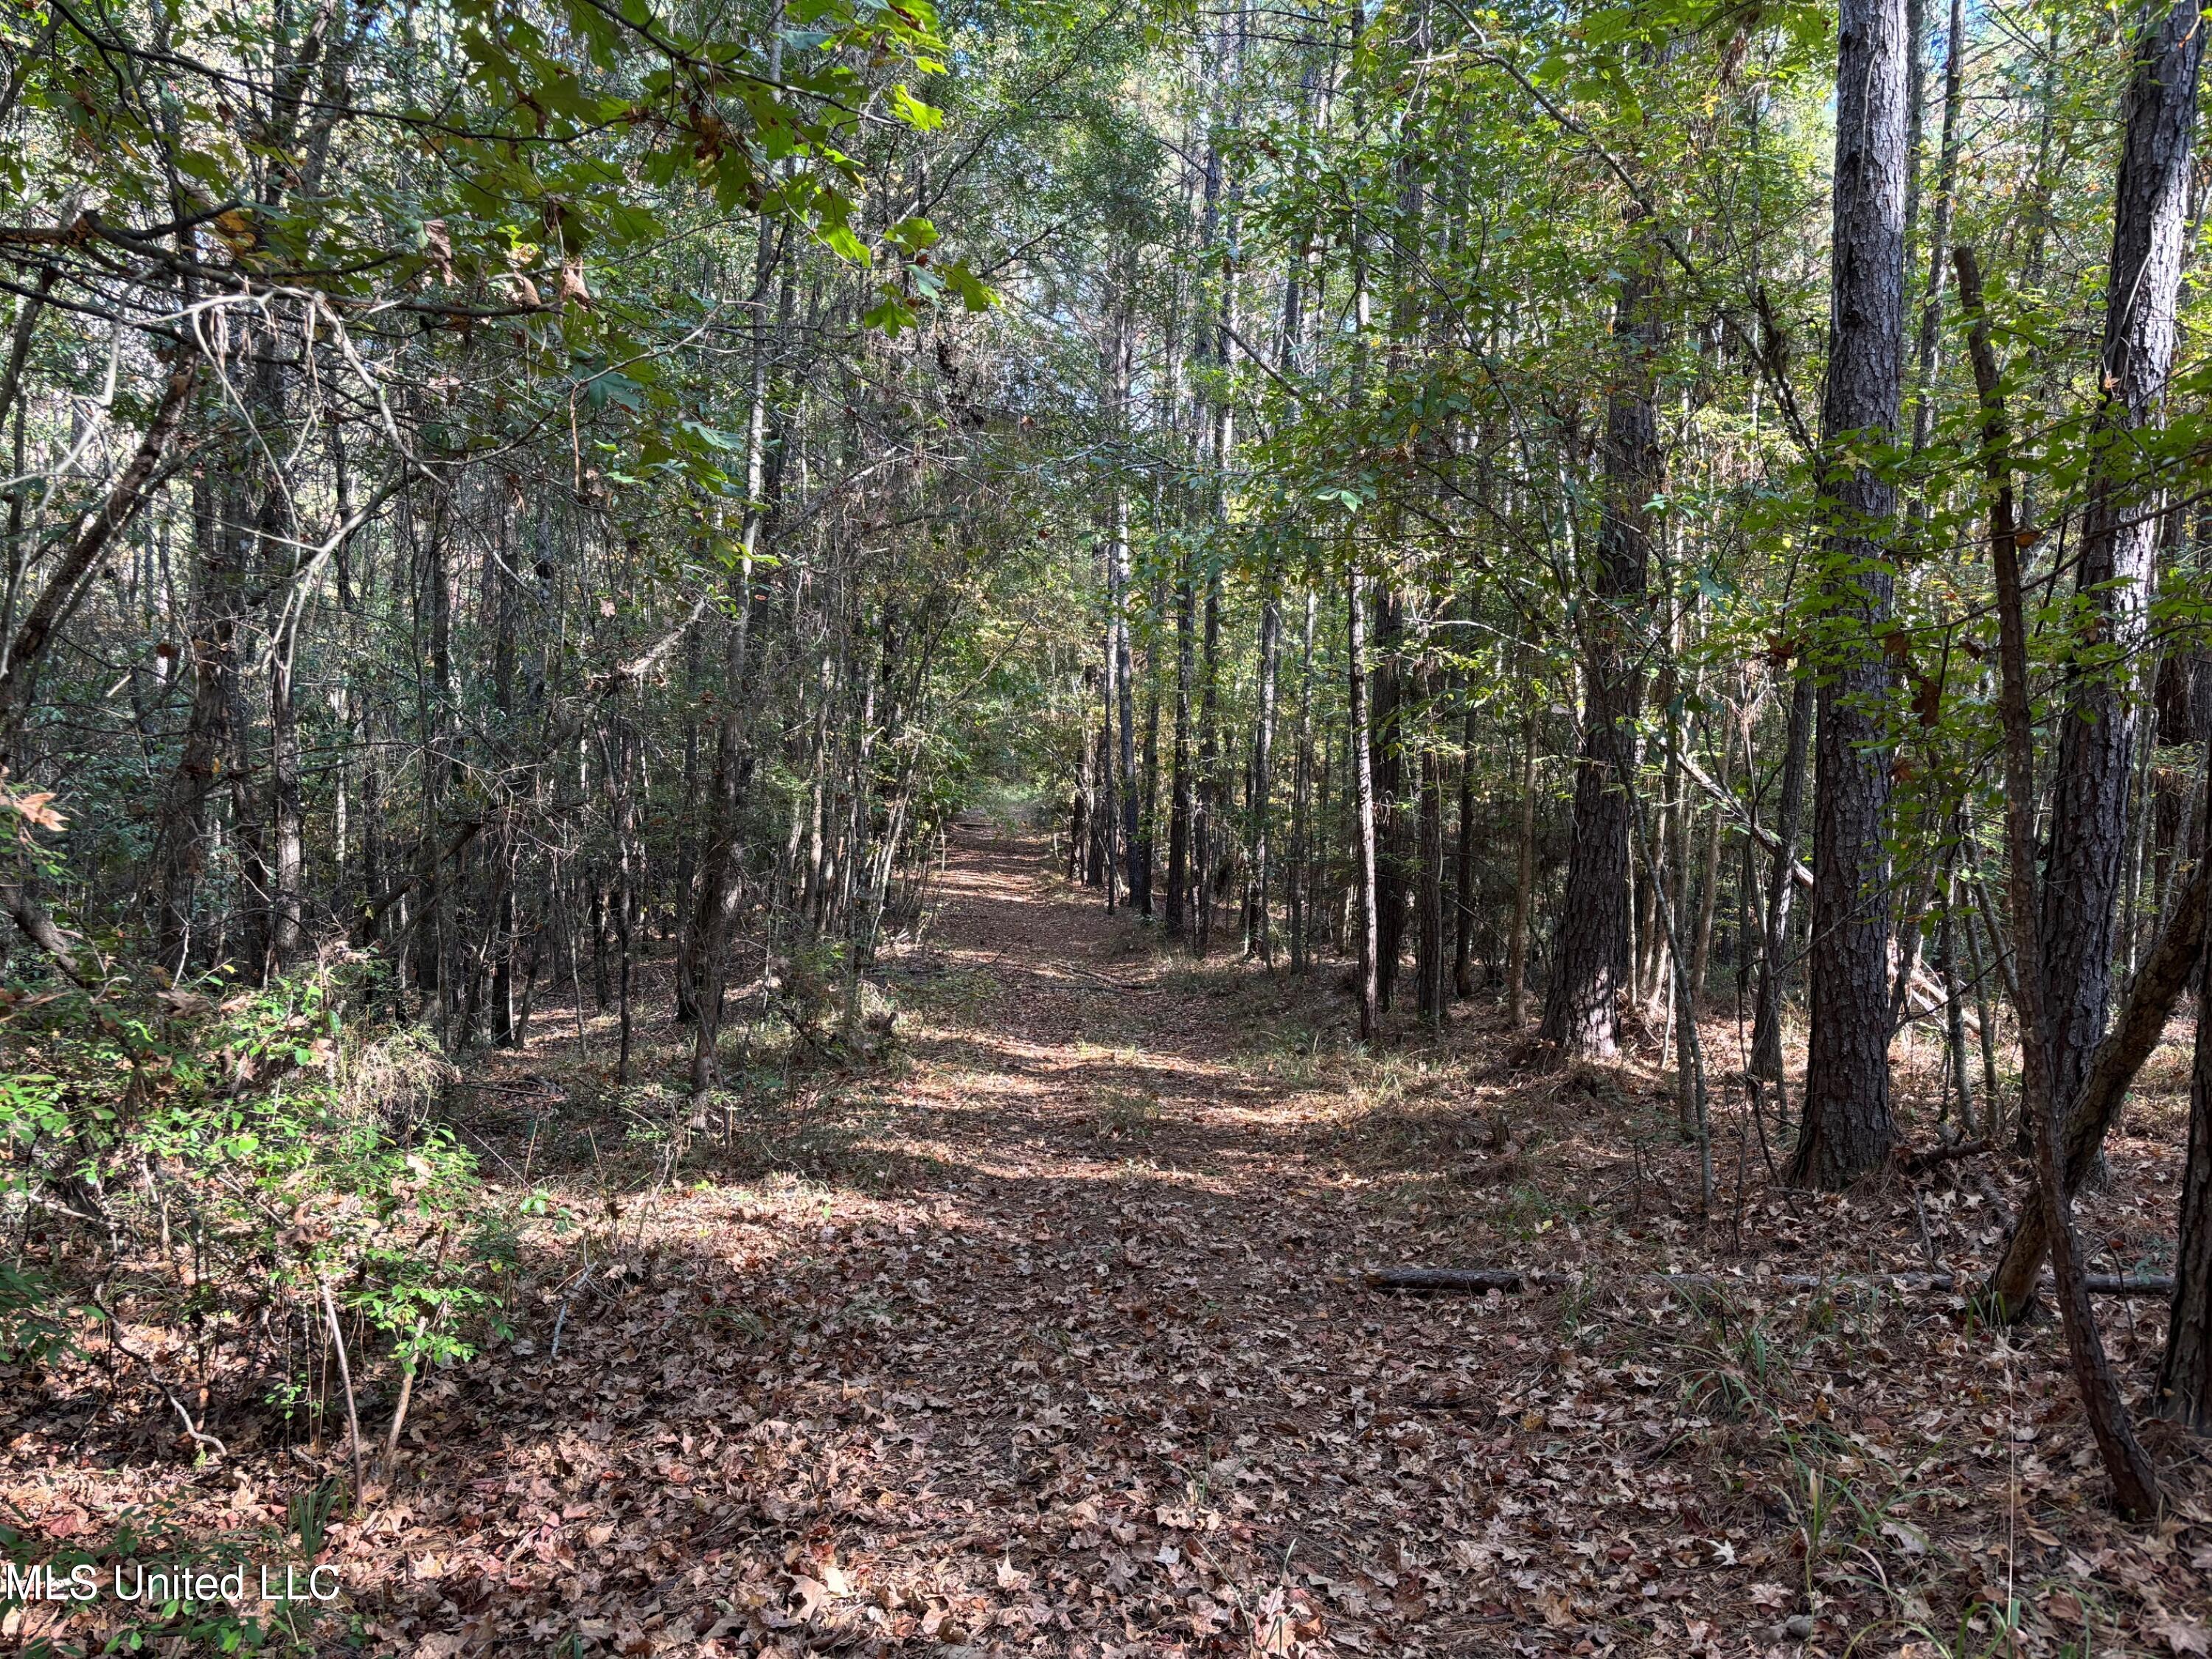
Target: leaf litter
{"x": 1048, "y": 1334}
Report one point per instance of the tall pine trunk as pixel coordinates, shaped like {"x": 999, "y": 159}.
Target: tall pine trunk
{"x": 1846, "y": 1128}
{"x": 1302, "y": 783}
{"x": 2089, "y": 815}
{"x": 1429, "y": 981}
{"x": 1590, "y": 958}
{"x": 1258, "y": 940}
{"x": 1179, "y": 807}
{"x": 2090, "y": 826}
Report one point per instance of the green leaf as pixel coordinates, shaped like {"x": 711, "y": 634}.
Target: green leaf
{"x": 922, "y": 118}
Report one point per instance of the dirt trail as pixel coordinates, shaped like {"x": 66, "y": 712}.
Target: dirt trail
{"x": 1042, "y": 1342}
{"x": 1046, "y": 1337}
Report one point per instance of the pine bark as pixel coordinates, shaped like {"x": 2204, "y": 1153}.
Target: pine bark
{"x": 1179, "y": 790}
{"x": 1590, "y": 956}
{"x": 1847, "y": 1128}
{"x": 1259, "y": 938}
{"x": 2090, "y": 809}
{"x": 1296, "y": 910}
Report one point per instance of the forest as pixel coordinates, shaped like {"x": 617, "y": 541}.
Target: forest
{"x": 984, "y": 827}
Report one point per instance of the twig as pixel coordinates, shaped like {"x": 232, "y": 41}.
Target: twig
{"x": 399, "y": 1411}
{"x": 1927, "y": 1245}
{"x": 1115, "y": 984}
{"x": 561, "y": 1318}
{"x": 221, "y": 1450}
{"x": 345, "y": 1378}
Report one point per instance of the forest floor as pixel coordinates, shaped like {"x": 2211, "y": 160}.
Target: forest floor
{"x": 1045, "y": 1331}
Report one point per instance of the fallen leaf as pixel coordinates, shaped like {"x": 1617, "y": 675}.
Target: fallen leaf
{"x": 2181, "y": 1633}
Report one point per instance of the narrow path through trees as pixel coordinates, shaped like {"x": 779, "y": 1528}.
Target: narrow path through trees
{"x": 1051, "y": 1333}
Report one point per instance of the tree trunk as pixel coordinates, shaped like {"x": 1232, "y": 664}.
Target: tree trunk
{"x": 1259, "y": 941}
{"x": 1179, "y": 809}
{"x": 1360, "y": 750}
{"x": 1766, "y": 1058}
{"x": 1986, "y": 1013}
{"x": 1206, "y": 815}
{"x": 1847, "y": 1129}
{"x": 1429, "y": 986}
{"x": 218, "y": 606}
{"x": 2089, "y": 828}
{"x": 2185, "y": 1372}
{"x": 2134, "y": 1479}
{"x": 1463, "y": 893}
{"x": 1302, "y": 781}
{"x": 1954, "y": 1017}
{"x": 1524, "y": 881}
{"x": 1709, "y": 892}
{"x": 1137, "y": 854}
{"x": 1386, "y": 740}
{"x": 1591, "y": 964}
{"x": 721, "y": 864}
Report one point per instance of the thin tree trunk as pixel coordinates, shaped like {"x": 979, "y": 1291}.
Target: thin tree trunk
{"x": 1766, "y": 1059}
{"x": 1985, "y": 1012}
{"x": 2135, "y": 1481}
{"x": 1137, "y": 854}
{"x": 1524, "y": 881}
{"x": 1464, "y": 885}
{"x": 1361, "y": 753}
{"x": 181, "y": 838}
{"x": 721, "y": 864}
{"x": 1709, "y": 892}
{"x": 1205, "y": 818}
{"x": 1386, "y": 739}
{"x": 1955, "y": 1018}
{"x": 1295, "y": 882}
{"x": 1259, "y": 941}
{"x": 2185, "y": 1372}
{"x": 1429, "y": 988}
{"x": 1179, "y": 810}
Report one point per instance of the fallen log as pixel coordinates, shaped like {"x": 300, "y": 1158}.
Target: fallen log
{"x": 1921, "y": 1162}
{"x": 1480, "y": 1281}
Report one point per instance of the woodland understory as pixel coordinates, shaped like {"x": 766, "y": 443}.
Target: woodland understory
{"x": 1046, "y": 1331}
{"x": 1104, "y": 827}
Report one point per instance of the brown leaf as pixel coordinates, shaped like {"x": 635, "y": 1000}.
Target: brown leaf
{"x": 33, "y": 809}
{"x": 2181, "y": 1633}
